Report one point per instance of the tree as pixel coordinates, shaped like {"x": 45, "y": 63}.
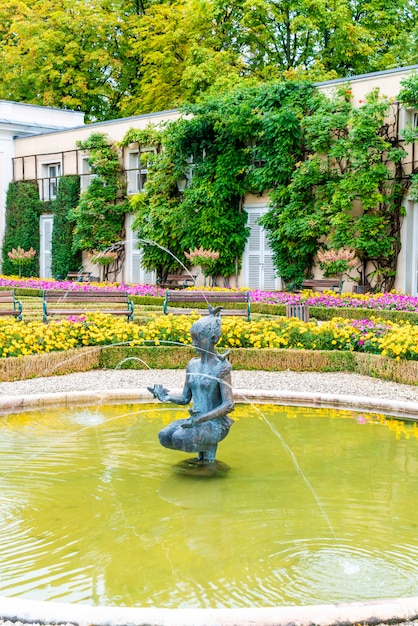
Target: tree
{"x": 193, "y": 47}
{"x": 180, "y": 51}
{"x": 114, "y": 58}
{"x": 67, "y": 55}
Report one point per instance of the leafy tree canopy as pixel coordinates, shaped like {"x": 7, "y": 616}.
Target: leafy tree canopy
{"x": 114, "y": 58}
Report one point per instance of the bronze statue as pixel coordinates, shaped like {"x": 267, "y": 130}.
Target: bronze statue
{"x": 208, "y": 385}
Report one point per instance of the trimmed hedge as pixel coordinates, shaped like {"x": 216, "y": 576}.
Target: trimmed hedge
{"x": 159, "y": 357}
{"x": 325, "y": 313}
{"x": 64, "y": 259}
{"x": 148, "y": 300}
{"x": 319, "y": 313}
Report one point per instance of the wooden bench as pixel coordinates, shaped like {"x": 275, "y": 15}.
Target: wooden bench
{"x": 322, "y": 284}
{"x": 60, "y": 303}
{"x": 206, "y": 297}
{"x": 81, "y": 277}
{"x": 9, "y": 305}
{"x": 177, "y": 281}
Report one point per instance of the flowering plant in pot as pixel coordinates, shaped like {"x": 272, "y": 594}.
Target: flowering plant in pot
{"x": 337, "y": 262}
{"x": 21, "y": 257}
{"x": 205, "y": 258}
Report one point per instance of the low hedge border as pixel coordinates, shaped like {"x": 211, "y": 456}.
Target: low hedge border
{"x": 158, "y": 357}
{"x": 262, "y": 308}
{"x": 320, "y": 313}
{"x": 49, "y": 364}
{"x": 373, "y": 365}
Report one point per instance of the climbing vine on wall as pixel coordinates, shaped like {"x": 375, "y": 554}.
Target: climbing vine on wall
{"x": 99, "y": 216}
{"x": 157, "y": 209}
{"x": 333, "y": 173}
{"x": 247, "y": 140}
{"x": 346, "y": 193}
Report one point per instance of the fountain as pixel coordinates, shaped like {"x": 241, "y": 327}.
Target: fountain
{"x": 130, "y": 467}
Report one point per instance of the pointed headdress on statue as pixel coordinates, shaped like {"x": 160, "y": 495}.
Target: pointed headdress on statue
{"x": 209, "y": 325}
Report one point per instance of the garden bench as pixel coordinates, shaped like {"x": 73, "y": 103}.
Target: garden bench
{"x": 9, "y": 305}
{"x": 177, "y": 281}
{"x": 204, "y": 298}
{"x": 81, "y": 277}
{"x": 60, "y": 303}
{"x": 322, "y": 284}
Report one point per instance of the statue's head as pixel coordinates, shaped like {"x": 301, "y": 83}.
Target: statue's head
{"x": 208, "y": 326}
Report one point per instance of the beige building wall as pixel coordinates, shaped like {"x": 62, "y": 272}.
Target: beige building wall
{"x": 25, "y": 120}
{"x": 51, "y": 146}
{"x": 388, "y": 82}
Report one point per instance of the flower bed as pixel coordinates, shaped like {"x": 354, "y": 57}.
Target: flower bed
{"x": 392, "y": 301}
{"x": 379, "y": 301}
{"x": 38, "y": 283}
{"x": 375, "y": 336}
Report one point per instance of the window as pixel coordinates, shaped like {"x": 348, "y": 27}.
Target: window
{"x": 138, "y": 169}
{"x": 408, "y": 119}
{"x": 86, "y": 174}
{"x": 256, "y": 159}
{"x": 51, "y": 173}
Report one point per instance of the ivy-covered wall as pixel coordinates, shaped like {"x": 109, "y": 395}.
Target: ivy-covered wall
{"x": 315, "y": 156}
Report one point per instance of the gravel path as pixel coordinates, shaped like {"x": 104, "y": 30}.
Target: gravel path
{"x": 311, "y": 382}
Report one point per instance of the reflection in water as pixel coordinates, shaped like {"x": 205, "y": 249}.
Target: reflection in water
{"x": 92, "y": 510}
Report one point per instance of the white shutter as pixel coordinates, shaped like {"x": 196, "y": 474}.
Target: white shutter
{"x": 135, "y": 263}
{"x": 259, "y": 272}
{"x": 269, "y": 277}
{"x": 45, "y": 256}
{"x": 136, "y": 273}
{"x": 254, "y": 251}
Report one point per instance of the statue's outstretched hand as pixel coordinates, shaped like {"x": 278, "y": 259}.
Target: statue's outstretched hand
{"x": 160, "y": 392}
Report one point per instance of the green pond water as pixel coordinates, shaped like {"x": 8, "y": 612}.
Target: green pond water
{"x": 93, "y": 511}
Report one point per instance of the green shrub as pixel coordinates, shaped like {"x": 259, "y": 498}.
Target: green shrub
{"x": 23, "y": 209}
{"x": 64, "y": 260}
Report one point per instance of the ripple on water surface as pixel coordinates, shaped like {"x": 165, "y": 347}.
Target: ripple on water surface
{"x": 93, "y": 511}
